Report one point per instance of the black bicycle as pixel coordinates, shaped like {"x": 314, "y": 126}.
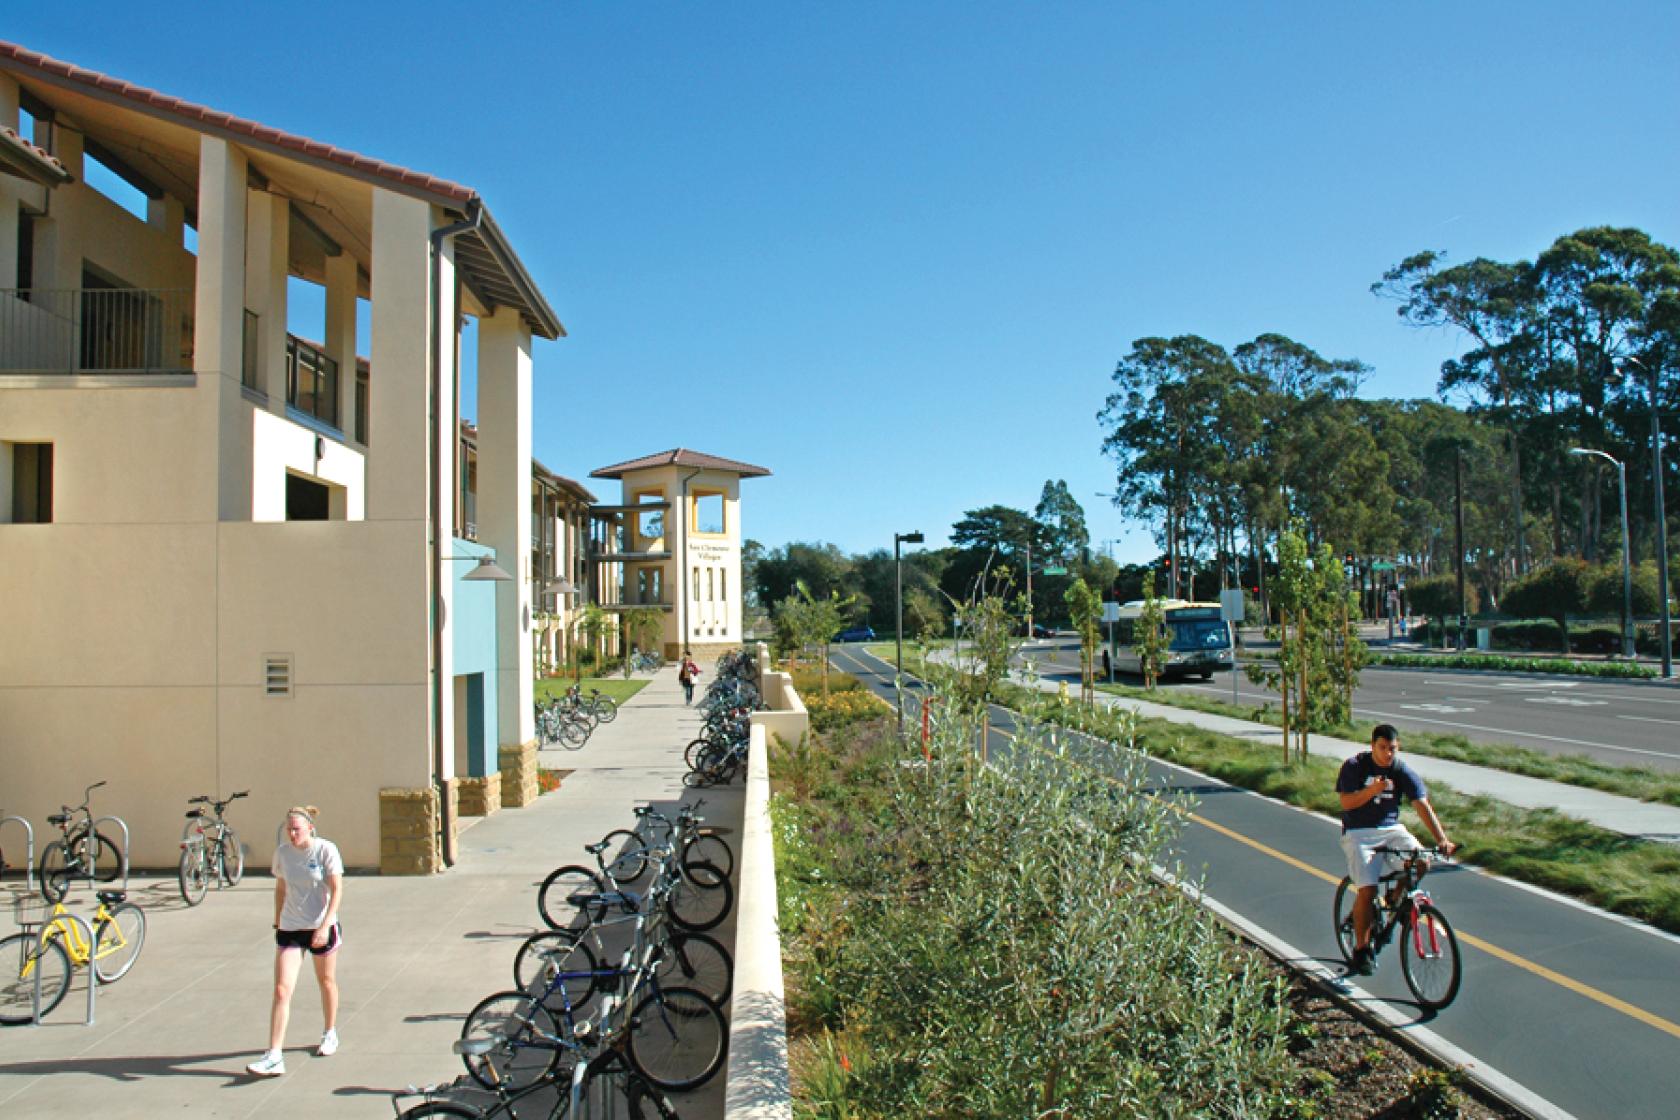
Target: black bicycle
{"x": 1429, "y": 958}
{"x": 209, "y": 849}
{"x": 80, "y": 853}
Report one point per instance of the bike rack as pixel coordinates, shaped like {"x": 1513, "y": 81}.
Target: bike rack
{"x": 28, "y": 852}
{"x": 122, "y": 824}
{"x": 19, "y": 912}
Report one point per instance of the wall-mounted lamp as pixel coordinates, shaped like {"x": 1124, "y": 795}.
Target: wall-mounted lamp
{"x": 486, "y": 569}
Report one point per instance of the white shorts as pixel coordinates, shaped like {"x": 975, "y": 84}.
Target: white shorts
{"x": 1365, "y": 863}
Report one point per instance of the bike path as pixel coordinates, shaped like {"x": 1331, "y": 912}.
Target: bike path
{"x": 1581, "y": 1007}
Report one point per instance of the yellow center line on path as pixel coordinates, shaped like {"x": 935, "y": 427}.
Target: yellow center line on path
{"x": 1587, "y": 990}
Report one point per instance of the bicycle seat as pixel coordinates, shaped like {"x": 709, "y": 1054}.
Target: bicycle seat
{"x": 111, "y": 898}
{"x": 475, "y": 1047}
{"x": 58, "y": 818}
{"x": 598, "y": 847}
{"x": 192, "y": 813}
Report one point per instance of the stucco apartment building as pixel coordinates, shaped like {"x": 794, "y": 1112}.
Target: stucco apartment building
{"x": 232, "y": 558}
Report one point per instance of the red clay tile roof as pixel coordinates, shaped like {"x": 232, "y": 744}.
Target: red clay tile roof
{"x": 31, "y": 162}
{"x": 681, "y": 457}
{"x": 175, "y": 106}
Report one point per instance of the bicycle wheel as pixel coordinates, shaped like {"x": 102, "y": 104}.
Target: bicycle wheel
{"x": 707, "y": 848}
{"x": 117, "y": 942}
{"x": 627, "y": 856}
{"x": 105, "y": 861}
{"x": 22, "y": 955}
{"x": 193, "y": 876}
{"x": 522, "y": 1026}
{"x": 54, "y": 871}
{"x": 694, "y": 960}
{"x": 692, "y": 752}
{"x": 677, "y": 1038}
{"x": 573, "y": 733}
{"x": 694, "y": 907}
{"x": 1429, "y": 957}
{"x": 565, "y": 900}
{"x": 544, "y": 955}
{"x": 440, "y": 1108}
{"x": 606, "y": 710}
{"x": 1346, "y": 894}
{"x": 233, "y": 858}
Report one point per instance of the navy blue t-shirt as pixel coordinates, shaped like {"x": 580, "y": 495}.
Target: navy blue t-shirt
{"x": 1382, "y": 810}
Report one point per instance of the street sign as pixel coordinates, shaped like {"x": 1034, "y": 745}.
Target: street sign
{"x": 1057, "y": 571}
{"x": 1111, "y": 612}
{"x": 1231, "y": 604}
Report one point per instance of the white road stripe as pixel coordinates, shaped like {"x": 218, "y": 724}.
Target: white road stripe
{"x": 1649, "y": 719}
{"x": 1508, "y": 732}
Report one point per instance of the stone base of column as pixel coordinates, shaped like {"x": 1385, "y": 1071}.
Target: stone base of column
{"x": 480, "y": 796}
{"x": 705, "y": 653}
{"x": 519, "y": 774}
{"x": 408, "y": 831}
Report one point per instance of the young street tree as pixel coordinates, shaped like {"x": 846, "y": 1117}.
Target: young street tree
{"x": 1151, "y": 634}
{"x": 1085, "y": 612}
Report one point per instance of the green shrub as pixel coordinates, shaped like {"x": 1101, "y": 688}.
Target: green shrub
{"x": 939, "y": 964}
{"x": 1527, "y": 634}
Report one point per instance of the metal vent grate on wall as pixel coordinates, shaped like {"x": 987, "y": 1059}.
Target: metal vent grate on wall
{"x": 277, "y": 674}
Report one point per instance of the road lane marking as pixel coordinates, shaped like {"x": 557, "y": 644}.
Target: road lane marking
{"x": 1444, "y": 709}
{"x": 1533, "y": 968}
{"x": 1506, "y": 731}
{"x": 1572, "y": 701}
{"x": 1649, "y": 719}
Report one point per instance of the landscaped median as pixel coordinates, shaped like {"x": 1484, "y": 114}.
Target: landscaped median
{"x": 989, "y": 941}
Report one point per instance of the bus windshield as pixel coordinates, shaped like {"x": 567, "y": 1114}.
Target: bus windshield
{"x": 1199, "y": 634}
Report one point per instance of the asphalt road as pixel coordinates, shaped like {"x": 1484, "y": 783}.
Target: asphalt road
{"x": 1625, "y": 723}
{"x": 1581, "y": 1007}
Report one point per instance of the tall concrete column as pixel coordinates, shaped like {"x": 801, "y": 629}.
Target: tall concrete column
{"x": 403, "y": 457}
{"x": 341, "y": 334}
{"x": 504, "y": 508}
{"x": 218, "y": 319}
{"x": 267, "y": 226}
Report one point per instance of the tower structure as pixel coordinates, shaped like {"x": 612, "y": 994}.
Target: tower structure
{"x": 673, "y": 543}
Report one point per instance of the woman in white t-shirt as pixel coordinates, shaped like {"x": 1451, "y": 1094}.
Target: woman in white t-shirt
{"x": 308, "y": 885}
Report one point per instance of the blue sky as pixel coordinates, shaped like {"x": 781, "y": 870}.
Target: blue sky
{"x": 893, "y": 251}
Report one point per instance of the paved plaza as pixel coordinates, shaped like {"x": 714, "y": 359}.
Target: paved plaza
{"x": 174, "y": 1035}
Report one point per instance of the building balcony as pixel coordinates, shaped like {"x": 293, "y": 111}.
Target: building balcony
{"x": 632, "y": 606}
{"x": 617, "y": 557}
{"x": 82, "y": 331}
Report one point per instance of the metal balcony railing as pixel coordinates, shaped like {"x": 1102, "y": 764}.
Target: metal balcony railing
{"x": 95, "y": 330}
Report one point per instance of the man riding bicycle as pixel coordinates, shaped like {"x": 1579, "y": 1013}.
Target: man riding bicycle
{"x": 1371, "y": 785}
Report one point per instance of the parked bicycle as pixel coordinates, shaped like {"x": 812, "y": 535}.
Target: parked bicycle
{"x": 1429, "y": 959}
{"x": 598, "y": 706}
{"x": 119, "y": 932}
{"x": 559, "y": 723}
{"x": 79, "y": 853}
{"x": 210, "y": 849}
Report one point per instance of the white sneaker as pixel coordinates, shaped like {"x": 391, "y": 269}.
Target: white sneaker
{"x": 329, "y": 1045}
{"x": 271, "y": 1064}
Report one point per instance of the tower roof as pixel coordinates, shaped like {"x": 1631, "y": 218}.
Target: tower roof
{"x": 681, "y": 457}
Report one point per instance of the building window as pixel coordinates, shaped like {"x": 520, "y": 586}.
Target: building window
{"x": 306, "y": 500}
{"x": 31, "y": 491}
{"x": 711, "y": 591}
{"x": 251, "y": 348}
{"x": 26, "y": 249}
{"x": 650, "y": 527}
{"x": 723, "y": 584}
{"x": 311, "y": 381}
{"x": 695, "y": 583}
{"x": 361, "y": 404}
{"x": 708, "y": 512}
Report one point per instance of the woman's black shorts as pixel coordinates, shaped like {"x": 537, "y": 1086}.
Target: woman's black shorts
{"x": 305, "y": 938}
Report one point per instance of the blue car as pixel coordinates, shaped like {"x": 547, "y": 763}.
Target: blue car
{"x": 856, "y": 634}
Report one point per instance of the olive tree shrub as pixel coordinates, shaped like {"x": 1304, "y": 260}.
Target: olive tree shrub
{"x": 988, "y": 941}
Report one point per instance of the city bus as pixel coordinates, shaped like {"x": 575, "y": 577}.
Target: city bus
{"x": 1200, "y": 640}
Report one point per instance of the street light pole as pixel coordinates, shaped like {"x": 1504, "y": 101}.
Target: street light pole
{"x": 898, "y": 599}
{"x": 1627, "y": 564}
{"x": 1458, "y": 502}
{"x": 1662, "y": 521}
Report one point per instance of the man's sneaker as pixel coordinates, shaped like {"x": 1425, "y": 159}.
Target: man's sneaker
{"x": 329, "y": 1045}
{"x": 271, "y": 1064}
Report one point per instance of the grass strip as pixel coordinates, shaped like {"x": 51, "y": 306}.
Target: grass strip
{"x": 1499, "y": 663}
{"x": 617, "y": 689}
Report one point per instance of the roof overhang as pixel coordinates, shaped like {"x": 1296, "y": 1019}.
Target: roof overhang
{"x": 21, "y": 158}
{"x": 156, "y": 137}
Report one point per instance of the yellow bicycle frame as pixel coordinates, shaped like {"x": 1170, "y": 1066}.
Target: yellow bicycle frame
{"x": 107, "y": 933}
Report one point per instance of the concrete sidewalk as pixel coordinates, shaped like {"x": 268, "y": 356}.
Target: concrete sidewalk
{"x": 174, "y": 1035}
{"x": 1644, "y": 819}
